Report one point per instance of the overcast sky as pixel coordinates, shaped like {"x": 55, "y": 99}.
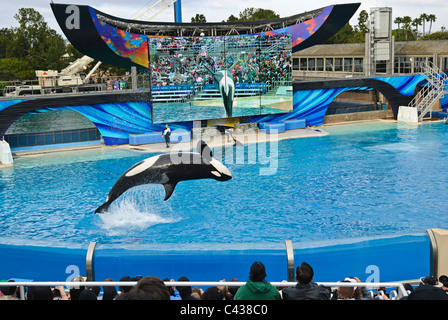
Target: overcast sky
{"x": 218, "y": 10}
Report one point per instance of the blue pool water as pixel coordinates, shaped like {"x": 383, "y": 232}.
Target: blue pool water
{"x": 363, "y": 180}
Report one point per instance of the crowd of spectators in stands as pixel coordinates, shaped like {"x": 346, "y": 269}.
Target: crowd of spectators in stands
{"x": 250, "y": 59}
{"x": 256, "y": 288}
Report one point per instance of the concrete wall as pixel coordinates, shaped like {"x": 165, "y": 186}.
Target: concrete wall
{"x": 358, "y": 116}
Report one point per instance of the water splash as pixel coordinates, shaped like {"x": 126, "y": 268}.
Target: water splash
{"x": 136, "y": 210}
{"x": 396, "y": 147}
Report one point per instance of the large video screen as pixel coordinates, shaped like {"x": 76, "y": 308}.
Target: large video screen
{"x": 199, "y": 78}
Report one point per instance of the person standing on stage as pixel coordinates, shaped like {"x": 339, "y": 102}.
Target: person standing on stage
{"x": 167, "y": 133}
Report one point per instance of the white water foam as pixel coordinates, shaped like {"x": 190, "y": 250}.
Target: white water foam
{"x": 396, "y": 147}
{"x": 138, "y": 209}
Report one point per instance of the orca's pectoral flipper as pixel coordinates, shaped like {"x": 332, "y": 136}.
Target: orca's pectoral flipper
{"x": 103, "y": 208}
{"x": 169, "y": 189}
{"x": 204, "y": 150}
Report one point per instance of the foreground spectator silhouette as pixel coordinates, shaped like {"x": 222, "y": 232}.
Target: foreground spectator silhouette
{"x": 429, "y": 289}
{"x": 232, "y": 290}
{"x": 9, "y": 293}
{"x": 212, "y": 293}
{"x": 148, "y": 288}
{"x": 444, "y": 281}
{"x": 109, "y": 293}
{"x": 346, "y": 293}
{"x": 359, "y": 293}
{"x": 185, "y": 291}
{"x": 174, "y": 293}
{"x": 305, "y": 288}
{"x": 39, "y": 293}
{"x": 257, "y": 288}
{"x": 196, "y": 293}
{"x": 75, "y": 291}
{"x": 125, "y": 289}
{"x": 87, "y": 294}
{"x": 59, "y": 293}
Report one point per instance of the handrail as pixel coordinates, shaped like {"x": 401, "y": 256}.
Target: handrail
{"x": 290, "y": 259}
{"x": 425, "y": 99}
{"x": 433, "y": 252}
{"x": 90, "y": 265}
{"x": 369, "y": 285}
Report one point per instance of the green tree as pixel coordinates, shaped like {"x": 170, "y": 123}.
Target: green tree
{"x": 435, "y": 36}
{"x": 199, "y": 18}
{"x": 362, "y": 22}
{"x": 73, "y": 53}
{"x": 15, "y": 69}
{"x": 232, "y": 18}
{"x": 344, "y": 35}
{"x": 34, "y": 41}
{"x": 254, "y": 14}
{"x": 5, "y": 42}
{"x": 349, "y": 34}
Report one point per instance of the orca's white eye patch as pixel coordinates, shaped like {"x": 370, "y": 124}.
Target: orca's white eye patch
{"x": 142, "y": 166}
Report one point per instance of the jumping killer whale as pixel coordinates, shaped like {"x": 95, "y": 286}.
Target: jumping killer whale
{"x": 163, "y": 170}
{"x": 222, "y": 80}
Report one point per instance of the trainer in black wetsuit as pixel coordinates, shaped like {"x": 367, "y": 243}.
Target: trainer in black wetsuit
{"x": 167, "y": 133}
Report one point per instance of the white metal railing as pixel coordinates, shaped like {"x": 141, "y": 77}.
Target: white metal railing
{"x": 97, "y": 84}
{"x": 153, "y": 10}
{"x": 435, "y": 89}
{"x": 398, "y": 293}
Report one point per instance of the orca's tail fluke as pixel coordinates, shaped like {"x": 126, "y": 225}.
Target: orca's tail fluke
{"x": 103, "y": 208}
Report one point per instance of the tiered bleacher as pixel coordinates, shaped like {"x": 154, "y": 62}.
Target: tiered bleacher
{"x": 184, "y": 92}
{"x": 241, "y": 90}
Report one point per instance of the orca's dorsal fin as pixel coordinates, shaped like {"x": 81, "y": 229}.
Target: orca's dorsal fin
{"x": 169, "y": 189}
{"x": 204, "y": 150}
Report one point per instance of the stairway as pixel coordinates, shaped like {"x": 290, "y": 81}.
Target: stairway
{"x": 430, "y": 94}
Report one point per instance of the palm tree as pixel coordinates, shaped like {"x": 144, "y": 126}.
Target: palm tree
{"x": 424, "y": 18}
{"x": 416, "y": 22}
{"x": 407, "y": 20}
{"x": 398, "y": 21}
{"x": 431, "y": 18}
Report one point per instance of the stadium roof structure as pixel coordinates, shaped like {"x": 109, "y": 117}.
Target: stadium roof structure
{"x": 123, "y": 42}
